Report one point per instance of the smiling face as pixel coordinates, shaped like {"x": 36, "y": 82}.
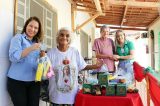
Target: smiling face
{"x": 64, "y": 38}
{"x": 32, "y": 29}
{"x": 105, "y": 32}
{"x": 120, "y": 37}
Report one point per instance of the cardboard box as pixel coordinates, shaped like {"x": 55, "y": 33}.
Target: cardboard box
{"x": 103, "y": 79}
{"x": 110, "y": 90}
{"x": 121, "y": 90}
{"x": 96, "y": 90}
{"x": 87, "y": 88}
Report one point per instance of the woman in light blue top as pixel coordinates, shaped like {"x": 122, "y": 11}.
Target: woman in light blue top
{"x": 23, "y": 54}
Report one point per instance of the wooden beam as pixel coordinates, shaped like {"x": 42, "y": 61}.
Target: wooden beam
{"x": 87, "y": 21}
{"x": 127, "y": 28}
{"x": 134, "y": 3}
{"x": 95, "y": 23}
{"x": 98, "y": 6}
{"x": 89, "y": 11}
{"x": 71, "y": 1}
{"x": 85, "y": 2}
{"x": 73, "y": 16}
{"x": 153, "y": 22}
{"x": 147, "y": 88}
{"x": 124, "y": 14}
{"x": 15, "y": 16}
{"x": 106, "y": 4}
{"x": 86, "y": 10}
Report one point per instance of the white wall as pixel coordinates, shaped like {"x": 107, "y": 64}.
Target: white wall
{"x": 6, "y": 32}
{"x": 63, "y": 9}
{"x": 89, "y": 29}
{"x": 156, "y": 28}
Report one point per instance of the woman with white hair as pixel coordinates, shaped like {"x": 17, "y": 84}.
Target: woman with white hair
{"x": 104, "y": 48}
{"x": 61, "y": 56}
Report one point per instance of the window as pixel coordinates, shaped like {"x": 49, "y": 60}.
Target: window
{"x": 41, "y": 9}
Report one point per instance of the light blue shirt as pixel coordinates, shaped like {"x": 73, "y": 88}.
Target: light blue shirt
{"x": 23, "y": 69}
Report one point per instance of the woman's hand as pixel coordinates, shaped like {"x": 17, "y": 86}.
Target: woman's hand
{"x": 35, "y": 46}
{"x": 99, "y": 63}
{"x": 116, "y": 57}
{"x": 113, "y": 57}
{"x": 26, "y": 51}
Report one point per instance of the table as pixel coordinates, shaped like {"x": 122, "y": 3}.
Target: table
{"x": 90, "y": 100}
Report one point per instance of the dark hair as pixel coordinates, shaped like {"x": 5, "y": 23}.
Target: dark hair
{"x": 39, "y": 36}
{"x": 103, "y": 27}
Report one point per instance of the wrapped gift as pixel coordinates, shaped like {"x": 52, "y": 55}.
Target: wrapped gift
{"x": 110, "y": 90}
{"x": 121, "y": 90}
{"x": 87, "y": 88}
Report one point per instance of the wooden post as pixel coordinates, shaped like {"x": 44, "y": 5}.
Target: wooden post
{"x": 147, "y": 88}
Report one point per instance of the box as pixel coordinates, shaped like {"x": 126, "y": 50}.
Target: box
{"x": 110, "y": 90}
{"x": 121, "y": 90}
{"x": 96, "y": 90}
{"x": 103, "y": 79}
{"x": 87, "y": 88}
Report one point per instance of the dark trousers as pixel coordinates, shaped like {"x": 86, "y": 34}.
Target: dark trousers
{"x": 24, "y": 93}
{"x": 53, "y": 104}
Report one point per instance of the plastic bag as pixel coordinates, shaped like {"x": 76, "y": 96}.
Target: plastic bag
{"x": 103, "y": 68}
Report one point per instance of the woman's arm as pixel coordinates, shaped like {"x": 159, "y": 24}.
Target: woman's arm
{"x": 103, "y": 56}
{"x": 130, "y": 56}
{"x": 26, "y": 51}
{"x": 95, "y": 66}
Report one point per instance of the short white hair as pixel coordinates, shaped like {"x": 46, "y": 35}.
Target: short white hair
{"x": 63, "y": 29}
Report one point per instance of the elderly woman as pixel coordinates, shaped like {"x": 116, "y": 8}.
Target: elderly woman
{"x": 125, "y": 55}
{"x": 60, "y": 91}
{"x": 104, "y": 48}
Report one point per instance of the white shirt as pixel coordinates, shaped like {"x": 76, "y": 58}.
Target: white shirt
{"x": 63, "y": 87}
